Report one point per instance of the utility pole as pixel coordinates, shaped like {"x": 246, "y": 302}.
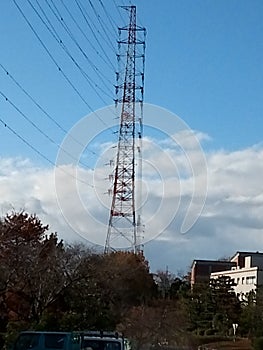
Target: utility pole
{"x": 125, "y": 227}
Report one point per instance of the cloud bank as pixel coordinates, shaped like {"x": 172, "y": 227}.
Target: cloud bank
{"x": 231, "y": 219}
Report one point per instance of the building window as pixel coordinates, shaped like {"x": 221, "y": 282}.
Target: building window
{"x": 238, "y": 280}
{"x": 250, "y": 280}
{"x": 243, "y": 280}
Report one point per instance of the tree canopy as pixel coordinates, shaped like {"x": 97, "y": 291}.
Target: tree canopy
{"x": 47, "y": 284}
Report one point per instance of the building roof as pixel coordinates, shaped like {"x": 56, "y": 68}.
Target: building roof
{"x": 235, "y": 271}
{"x": 219, "y": 262}
{"x": 246, "y": 254}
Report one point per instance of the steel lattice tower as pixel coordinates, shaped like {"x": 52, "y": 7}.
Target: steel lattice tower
{"x": 124, "y": 228}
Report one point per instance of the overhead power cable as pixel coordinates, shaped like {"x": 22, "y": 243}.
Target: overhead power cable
{"x": 62, "y": 22}
{"x": 90, "y": 81}
{"x": 26, "y": 142}
{"x": 85, "y": 15}
{"x": 119, "y": 12}
{"x": 57, "y": 65}
{"x": 87, "y": 38}
{"x": 40, "y": 130}
{"x": 125, "y": 3}
{"x": 111, "y": 20}
{"x": 40, "y": 153}
{"x": 102, "y": 23}
{"x": 42, "y": 109}
{"x": 106, "y": 40}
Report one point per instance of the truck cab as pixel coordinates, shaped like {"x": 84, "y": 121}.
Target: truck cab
{"x": 85, "y": 340}
{"x": 31, "y": 340}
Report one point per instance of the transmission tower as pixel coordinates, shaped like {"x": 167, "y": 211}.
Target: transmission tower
{"x": 125, "y": 228}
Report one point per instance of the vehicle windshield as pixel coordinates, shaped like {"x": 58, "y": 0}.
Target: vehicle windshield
{"x": 54, "y": 341}
{"x": 27, "y": 341}
{"x": 97, "y": 344}
{"x": 30, "y": 341}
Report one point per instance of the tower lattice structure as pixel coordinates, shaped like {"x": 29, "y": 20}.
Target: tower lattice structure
{"x": 125, "y": 228}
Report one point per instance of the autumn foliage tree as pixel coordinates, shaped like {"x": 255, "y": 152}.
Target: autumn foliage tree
{"x": 126, "y": 280}
{"x": 20, "y": 238}
{"x": 29, "y": 274}
{"x": 46, "y": 284}
{"x": 107, "y": 286}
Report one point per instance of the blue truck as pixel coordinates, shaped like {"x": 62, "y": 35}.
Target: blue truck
{"x": 86, "y": 340}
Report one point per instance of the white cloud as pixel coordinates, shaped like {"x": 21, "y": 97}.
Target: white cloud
{"x": 188, "y": 138}
{"x": 231, "y": 220}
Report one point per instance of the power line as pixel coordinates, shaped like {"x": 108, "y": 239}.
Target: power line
{"x": 119, "y": 12}
{"x": 107, "y": 41}
{"x": 40, "y": 153}
{"x": 102, "y": 25}
{"x": 130, "y": 4}
{"x": 126, "y": 4}
{"x": 65, "y": 26}
{"x": 111, "y": 20}
{"x": 42, "y": 109}
{"x": 39, "y": 130}
{"x": 26, "y": 142}
{"x": 85, "y": 15}
{"x": 55, "y": 35}
{"x": 86, "y": 37}
{"x": 57, "y": 65}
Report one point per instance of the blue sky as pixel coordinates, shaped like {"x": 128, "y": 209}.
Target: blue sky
{"x": 207, "y": 57}
{"x": 204, "y": 63}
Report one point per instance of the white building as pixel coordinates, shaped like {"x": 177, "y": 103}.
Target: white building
{"x": 247, "y": 275}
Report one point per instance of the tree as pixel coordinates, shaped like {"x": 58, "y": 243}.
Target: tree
{"x": 214, "y": 307}
{"x": 86, "y": 300}
{"x": 164, "y": 280}
{"x": 180, "y": 287}
{"x": 31, "y": 261}
{"x": 126, "y": 281}
{"x": 47, "y": 285}
{"x": 227, "y": 304}
{"x": 251, "y": 319}
{"x": 163, "y": 323}
{"x": 20, "y": 238}
{"x": 201, "y": 308}
{"x": 105, "y": 287}
{"x": 170, "y": 286}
